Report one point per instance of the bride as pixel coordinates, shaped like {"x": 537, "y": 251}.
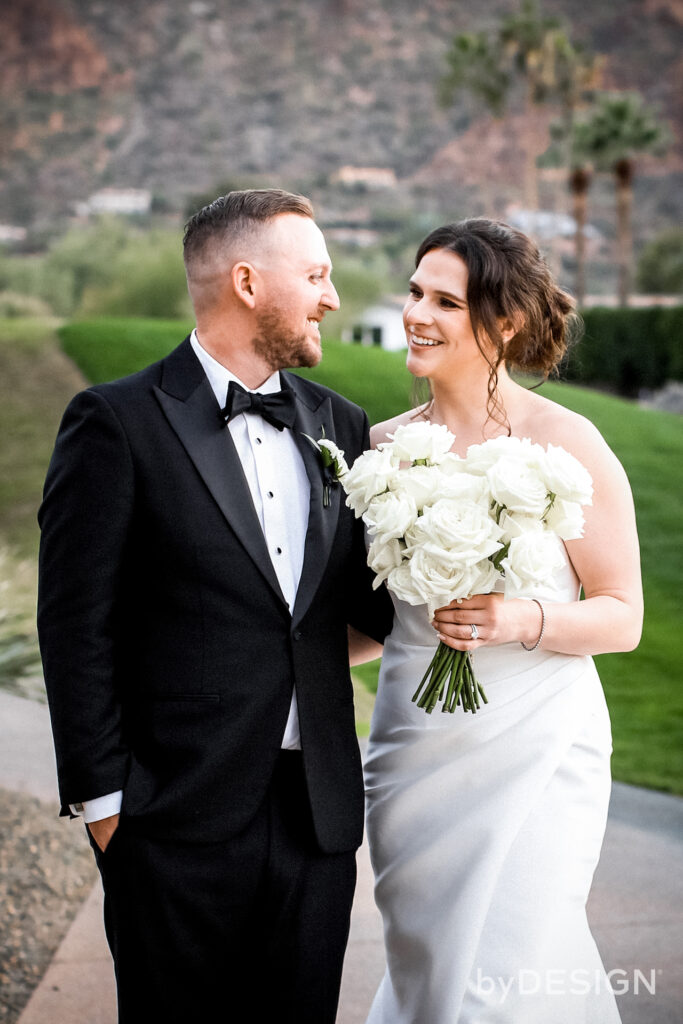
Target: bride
{"x": 485, "y": 830}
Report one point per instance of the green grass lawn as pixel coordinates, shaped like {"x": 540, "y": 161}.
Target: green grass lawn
{"x": 643, "y": 688}
{"x": 36, "y": 381}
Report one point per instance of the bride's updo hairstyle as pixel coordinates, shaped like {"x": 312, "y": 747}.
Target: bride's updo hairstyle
{"x": 507, "y": 278}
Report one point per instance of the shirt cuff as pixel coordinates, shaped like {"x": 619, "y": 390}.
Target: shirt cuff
{"x": 100, "y": 807}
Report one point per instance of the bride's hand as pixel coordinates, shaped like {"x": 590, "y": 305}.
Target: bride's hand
{"x": 495, "y": 621}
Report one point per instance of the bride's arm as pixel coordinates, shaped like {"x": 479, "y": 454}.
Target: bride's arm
{"x": 606, "y": 560}
{"x": 362, "y": 648}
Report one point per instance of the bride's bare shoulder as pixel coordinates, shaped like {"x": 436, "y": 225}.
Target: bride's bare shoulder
{"x": 554, "y": 424}
{"x": 380, "y": 431}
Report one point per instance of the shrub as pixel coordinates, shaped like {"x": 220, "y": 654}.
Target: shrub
{"x": 147, "y": 279}
{"x": 20, "y": 274}
{"x": 107, "y": 267}
{"x": 660, "y": 267}
{"x": 627, "y": 350}
{"x": 111, "y": 347}
{"x": 82, "y": 258}
{"x": 14, "y": 305}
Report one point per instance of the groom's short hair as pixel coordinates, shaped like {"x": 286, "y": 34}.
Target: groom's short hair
{"x": 237, "y": 215}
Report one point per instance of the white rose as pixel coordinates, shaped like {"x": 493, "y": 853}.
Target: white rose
{"x": 458, "y": 532}
{"x": 514, "y": 524}
{"x": 418, "y": 483}
{"x": 452, "y": 463}
{"x": 389, "y": 515}
{"x": 566, "y": 519}
{"x": 518, "y": 486}
{"x": 480, "y": 457}
{"x": 566, "y": 477}
{"x": 454, "y": 482}
{"x": 383, "y": 557}
{"x": 532, "y": 559}
{"x": 440, "y": 583}
{"x": 400, "y": 582}
{"x": 421, "y": 441}
{"x": 485, "y": 576}
{"x": 336, "y": 457}
{"x": 368, "y": 477}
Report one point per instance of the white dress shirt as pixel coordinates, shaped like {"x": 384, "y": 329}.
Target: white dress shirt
{"x": 280, "y": 490}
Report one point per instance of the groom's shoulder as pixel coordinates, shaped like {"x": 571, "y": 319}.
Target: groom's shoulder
{"x": 143, "y": 381}
{"x": 315, "y": 393}
{"x": 130, "y": 399}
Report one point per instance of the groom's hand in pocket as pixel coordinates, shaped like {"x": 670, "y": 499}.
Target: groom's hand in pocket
{"x": 103, "y": 830}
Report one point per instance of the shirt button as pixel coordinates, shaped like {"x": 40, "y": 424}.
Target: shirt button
{"x": 258, "y": 440}
{"x": 278, "y": 550}
{"x": 270, "y": 494}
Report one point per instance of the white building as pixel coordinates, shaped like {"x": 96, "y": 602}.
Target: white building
{"x": 117, "y": 200}
{"x": 546, "y": 225}
{"x": 367, "y": 177}
{"x": 381, "y": 325}
{"x": 12, "y": 233}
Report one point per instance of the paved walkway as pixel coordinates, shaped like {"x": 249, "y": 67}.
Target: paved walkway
{"x": 636, "y": 906}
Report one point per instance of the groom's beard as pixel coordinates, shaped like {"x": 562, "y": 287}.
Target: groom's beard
{"x": 281, "y": 346}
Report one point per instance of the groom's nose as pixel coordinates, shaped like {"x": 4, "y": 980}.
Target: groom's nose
{"x": 330, "y": 299}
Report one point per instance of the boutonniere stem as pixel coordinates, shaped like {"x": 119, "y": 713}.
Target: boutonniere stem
{"x": 332, "y": 461}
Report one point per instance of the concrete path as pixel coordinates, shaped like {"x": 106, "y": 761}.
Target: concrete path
{"x": 27, "y": 759}
{"x": 636, "y": 906}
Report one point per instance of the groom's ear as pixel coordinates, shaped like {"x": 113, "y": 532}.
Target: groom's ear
{"x": 243, "y": 276}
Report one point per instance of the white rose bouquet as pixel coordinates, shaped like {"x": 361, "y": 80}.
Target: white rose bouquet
{"x": 444, "y": 528}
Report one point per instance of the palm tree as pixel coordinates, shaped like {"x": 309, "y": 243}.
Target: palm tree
{"x": 527, "y": 48}
{"x": 579, "y": 183}
{"x": 619, "y": 127}
{"x": 577, "y": 75}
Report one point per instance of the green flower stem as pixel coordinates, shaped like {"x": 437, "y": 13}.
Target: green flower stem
{"x": 454, "y": 686}
{"x": 435, "y": 677}
{"x": 449, "y": 671}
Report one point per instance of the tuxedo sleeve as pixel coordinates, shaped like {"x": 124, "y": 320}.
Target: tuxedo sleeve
{"x": 370, "y": 611}
{"x": 85, "y": 520}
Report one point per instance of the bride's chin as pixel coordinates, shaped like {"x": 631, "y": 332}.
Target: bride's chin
{"x": 416, "y": 371}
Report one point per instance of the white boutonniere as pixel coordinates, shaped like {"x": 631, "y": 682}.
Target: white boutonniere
{"x": 333, "y": 464}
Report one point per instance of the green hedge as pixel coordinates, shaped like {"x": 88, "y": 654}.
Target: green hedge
{"x": 628, "y": 349}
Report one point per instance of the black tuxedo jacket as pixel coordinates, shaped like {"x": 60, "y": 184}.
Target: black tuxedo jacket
{"x": 169, "y": 651}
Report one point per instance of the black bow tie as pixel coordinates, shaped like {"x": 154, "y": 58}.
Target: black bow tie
{"x": 278, "y": 408}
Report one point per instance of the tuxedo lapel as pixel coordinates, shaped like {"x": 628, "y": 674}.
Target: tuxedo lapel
{"x": 314, "y": 418}
{"x": 188, "y": 401}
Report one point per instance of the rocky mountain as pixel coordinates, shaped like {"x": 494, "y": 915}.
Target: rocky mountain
{"x": 177, "y": 97}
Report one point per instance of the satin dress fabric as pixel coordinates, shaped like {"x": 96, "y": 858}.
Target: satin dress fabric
{"x": 485, "y": 831}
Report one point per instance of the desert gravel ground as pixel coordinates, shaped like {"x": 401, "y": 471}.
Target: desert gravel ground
{"x": 46, "y": 871}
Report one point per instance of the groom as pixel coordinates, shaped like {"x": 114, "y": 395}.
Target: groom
{"x": 196, "y": 581}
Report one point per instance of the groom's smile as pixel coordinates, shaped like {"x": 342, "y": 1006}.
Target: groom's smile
{"x": 297, "y": 293}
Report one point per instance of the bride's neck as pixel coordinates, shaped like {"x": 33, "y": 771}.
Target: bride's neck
{"x": 466, "y": 408}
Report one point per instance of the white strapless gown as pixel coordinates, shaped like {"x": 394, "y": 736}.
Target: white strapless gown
{"x": 484, "y": 834}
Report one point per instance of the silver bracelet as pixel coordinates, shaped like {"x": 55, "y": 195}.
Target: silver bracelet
{"x": 540, "y": 635}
